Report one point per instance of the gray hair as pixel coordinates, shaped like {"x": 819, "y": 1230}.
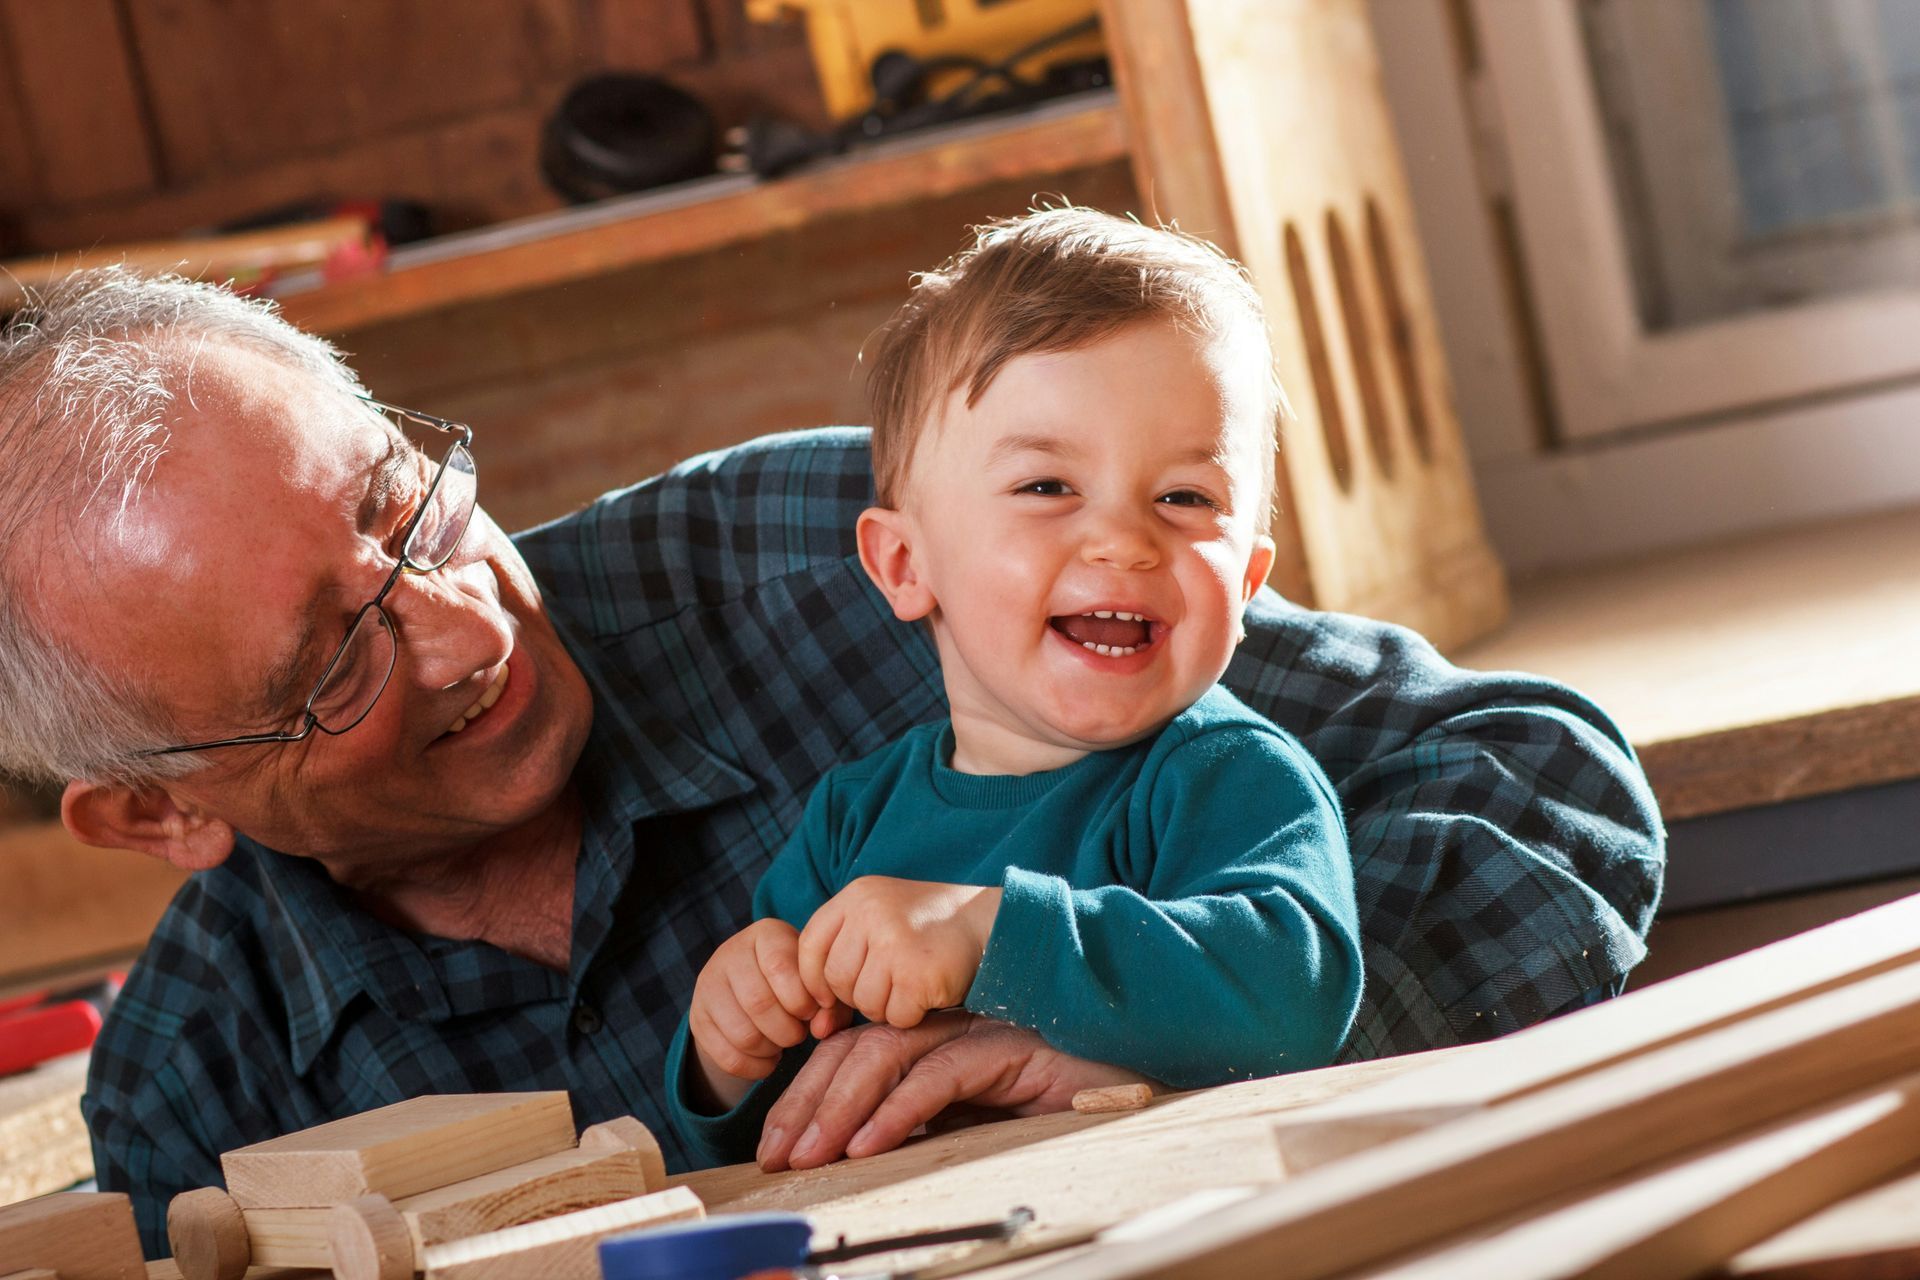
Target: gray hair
{"x": 89, "y": 370}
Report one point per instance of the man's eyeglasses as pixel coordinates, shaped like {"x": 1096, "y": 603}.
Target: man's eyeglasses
{"x": 354, "y": 678}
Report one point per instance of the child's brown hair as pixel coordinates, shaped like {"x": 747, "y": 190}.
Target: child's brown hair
{"x": 1052, "y": 280}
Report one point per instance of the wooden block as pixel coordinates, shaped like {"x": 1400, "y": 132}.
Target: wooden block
{"x": 1871, "y": 1236}
{"x": 399, "y": 1150}
{"x": 1642, "y": 1021}
{"x": 1425, "y": 1188}
{"x": 31, "y": 1273}
{"x": 1116, "y": 1097}
{"x": 552, "y": 1185}
{"x": 208, "y": 1235}
{"x": 1694, "y": 1214}
{"x": 83, "y": 1235}
{"x": 368, "y": 1240}
{"x": 43, "y": 1139}
{"x": 563, "y": 1248}
{"x": 624, "y": 1133}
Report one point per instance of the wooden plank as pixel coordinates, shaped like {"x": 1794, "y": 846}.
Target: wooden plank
{"x": 78, "y": 89}
{"x": 399, "y": 1150}
{"x": 1766, "y": 979}
{"x": 564, "y": 1182}
{"x": 646, "y": 35}
{"x": 82, "y": 1235}
{"x": 44, "y": 1145}
{"x": 1428, "y": 1187}
{"x": 219, "y": 258}
{"x": 236, "y": 87}
{"x": 1694, "y": 1214}
{"x": 68, "y": 905}
{"x": 1702, "y": 656}
{"x": 19, "y": 180}
{"x": 675, "y": 224}
{"x": 563, "y": 1248}
{"x": 1872, "y": 1236}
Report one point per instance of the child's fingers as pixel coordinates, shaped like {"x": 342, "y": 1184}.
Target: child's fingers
{"x": 836, "y": 1017}
{"x": 873, "y": 989}
{"x": 756, "y": 999}
{"x": 903, "y": 1008}
{"x": 843, "y": 966}
{"x": 779, "y": 961}
{"x": 817, "y": 941}
{"x": 721, "y": 1032}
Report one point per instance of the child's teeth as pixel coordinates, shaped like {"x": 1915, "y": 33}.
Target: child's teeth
{"x": 1103, "y": 613}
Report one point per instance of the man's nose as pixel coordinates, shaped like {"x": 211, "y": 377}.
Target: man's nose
{"x": 451, "y": 624}
{"x": 1119, "y": 540}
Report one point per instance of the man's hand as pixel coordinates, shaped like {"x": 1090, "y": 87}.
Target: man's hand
{"x": 749, "y": 1005}
{"x": 865, "y": 1090}
{"x": 897, "y": 949}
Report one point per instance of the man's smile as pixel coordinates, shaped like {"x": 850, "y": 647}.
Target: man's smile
{"x": 488, "y": 696}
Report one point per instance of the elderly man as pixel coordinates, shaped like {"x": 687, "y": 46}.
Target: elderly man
{"x": 468, "y": 812}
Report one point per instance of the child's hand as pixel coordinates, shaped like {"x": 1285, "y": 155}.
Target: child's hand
{"x": 895, "y": 949}
{"x": 749, "y": 1004}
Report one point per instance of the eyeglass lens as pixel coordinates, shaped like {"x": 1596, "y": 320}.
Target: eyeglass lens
{"x": 354, "y": 682}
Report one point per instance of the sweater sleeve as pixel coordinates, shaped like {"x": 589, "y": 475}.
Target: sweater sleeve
{"x": 794, "y": 887}
{"x": 1241, "y": 956}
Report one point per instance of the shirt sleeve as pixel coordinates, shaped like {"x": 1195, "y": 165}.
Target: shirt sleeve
{"x": 1239, "y": 958}
{"x": 794, "y": 887}
{"x": 1507, "y": 851}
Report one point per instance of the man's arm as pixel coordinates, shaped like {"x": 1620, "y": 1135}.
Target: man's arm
{"x": 1507, "y": 851}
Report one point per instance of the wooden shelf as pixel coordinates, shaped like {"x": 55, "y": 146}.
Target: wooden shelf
{"x": 1746, "y": 673}
{"x": 553, "y": 249}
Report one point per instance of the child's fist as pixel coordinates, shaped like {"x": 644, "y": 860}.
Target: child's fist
{"x": 895, "y": 949}
{"x": 749, "y": 1004}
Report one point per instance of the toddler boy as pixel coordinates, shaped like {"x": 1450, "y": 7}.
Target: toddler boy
{"x": 1073, "y": 455}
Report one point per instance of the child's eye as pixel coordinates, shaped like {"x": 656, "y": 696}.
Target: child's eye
{"x": 1188, "y": 498}
{"x": 1045, "y": 488}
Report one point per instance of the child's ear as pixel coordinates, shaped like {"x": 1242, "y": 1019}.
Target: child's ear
{"x": 886, "y": 552}
{"x": 1259, "y": 565}
{"x": 149, "y": 820}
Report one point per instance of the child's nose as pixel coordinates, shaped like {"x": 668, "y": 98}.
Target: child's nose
{"x": 1119, "y": 542}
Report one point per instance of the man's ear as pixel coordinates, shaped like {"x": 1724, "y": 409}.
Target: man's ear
{"x": 886, "y": 552}
{"x": 1259, "y": 565}
{"x": 148, "y": 820}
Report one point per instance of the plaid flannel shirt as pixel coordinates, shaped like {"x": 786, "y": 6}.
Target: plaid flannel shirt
{"x": 1507, "y": 852}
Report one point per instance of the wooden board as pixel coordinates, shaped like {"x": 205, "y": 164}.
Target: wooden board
{"x": 564, "y": 1182}
{"x": 79, "y": 96}
{"x": 1651, "y": 1018}
{"x": 651, "y": 228}
{"x": 399, "y": 1150}
{"x": 1748, "y": 672}
{"x": 44, "y": 1145}
{"x": 1871, "y": 1236}
{"x": 1432, "y": 1185}
{"x": 562, "y": 1248}
{"x": 1694, "y": 1214}
{"x": 82, "y": 1235}
{"x": 69, "y": 906}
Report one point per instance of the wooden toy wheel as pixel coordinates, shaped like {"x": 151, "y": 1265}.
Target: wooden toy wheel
{"x": 369, "y": 1240}
{"x": 208, "y": 1235}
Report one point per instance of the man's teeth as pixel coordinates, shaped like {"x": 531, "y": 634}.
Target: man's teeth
{"x": 1115, "y": 613}
{"x": 488, "y": 696}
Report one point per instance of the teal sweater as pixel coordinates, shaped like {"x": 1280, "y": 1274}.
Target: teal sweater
{"x": 1194, "y": 922}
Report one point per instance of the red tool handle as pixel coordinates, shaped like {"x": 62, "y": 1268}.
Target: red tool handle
{"x": 28, "y": 1039}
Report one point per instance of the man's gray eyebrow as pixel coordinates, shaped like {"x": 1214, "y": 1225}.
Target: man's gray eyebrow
{"x": 383, "y": 481}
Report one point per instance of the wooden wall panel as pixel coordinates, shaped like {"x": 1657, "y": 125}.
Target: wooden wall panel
{"x": 237, "y": 86}
{"x": 19, "y": 183}
{"x": 84, "y": 124}
{"x": 645, "y": 36}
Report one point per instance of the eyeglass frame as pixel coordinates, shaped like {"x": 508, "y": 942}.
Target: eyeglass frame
{"x": 402, "y": 566}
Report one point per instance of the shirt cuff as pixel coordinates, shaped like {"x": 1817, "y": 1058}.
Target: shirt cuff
{"x": 730, "y": 1136}
{"x": 1025, "y": 953}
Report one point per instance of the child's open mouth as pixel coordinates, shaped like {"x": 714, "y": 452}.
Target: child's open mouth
{"x": 1112, "y": 633}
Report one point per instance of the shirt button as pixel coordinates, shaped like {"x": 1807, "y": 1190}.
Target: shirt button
{"x": 587, "y": 1019}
